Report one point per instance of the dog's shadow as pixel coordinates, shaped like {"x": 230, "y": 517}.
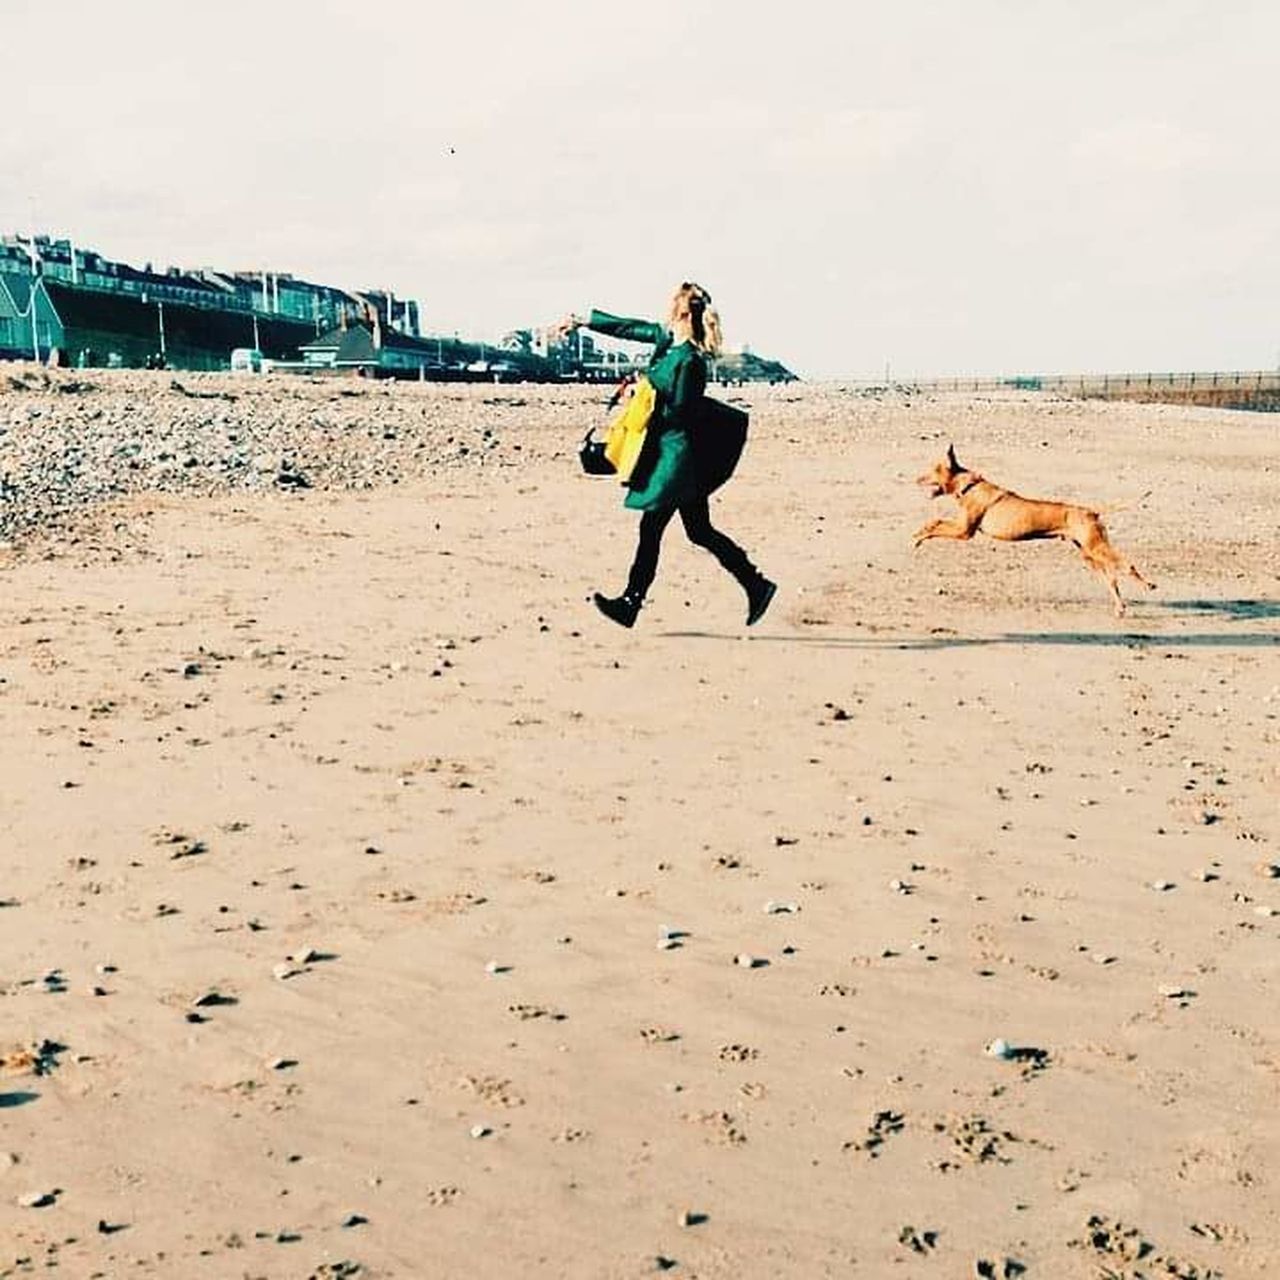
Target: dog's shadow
{"x": 1067, "y": 639}
{"x": 1241, "y": 610}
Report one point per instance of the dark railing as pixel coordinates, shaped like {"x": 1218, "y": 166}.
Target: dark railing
{"x": 1105, "y": 384}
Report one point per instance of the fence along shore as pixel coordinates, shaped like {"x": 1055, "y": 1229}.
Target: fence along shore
{"x": 1256, "y": 390}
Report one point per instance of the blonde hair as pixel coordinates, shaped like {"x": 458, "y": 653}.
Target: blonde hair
{"x": 693, "y": 303}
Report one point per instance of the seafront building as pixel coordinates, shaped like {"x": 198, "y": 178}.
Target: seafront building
{"x": 92, "y": 310}
{"x": 64, "y": 304}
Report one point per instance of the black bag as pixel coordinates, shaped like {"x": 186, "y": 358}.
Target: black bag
{"x": 591, "y": 455}
{"x": 719, "y": 436}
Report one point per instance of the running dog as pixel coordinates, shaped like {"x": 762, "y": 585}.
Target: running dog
{"x": 1003, "y": 514}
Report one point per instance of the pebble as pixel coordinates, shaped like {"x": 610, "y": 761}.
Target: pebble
{"x": 745, "y": 961}
{"x": 1000, "y": 1048}
{"x": 772, "y": 908}
{"x": 148, "y": 435}
{"x": 480, "y": 1131}
{"x": 1162, "y": 886}
{"x": 1171, "y": 991}
{"x": 900, "y": 886}
{"x": 1268, "y": 870}
{"x": 210, "y": 1000}
{"x": 493, "y": 967}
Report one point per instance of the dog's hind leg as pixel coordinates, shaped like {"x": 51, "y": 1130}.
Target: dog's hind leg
{"x": 1133, "y": 572}
{"x": 1099, "y": 555}
{"x": 1108, "y": 571}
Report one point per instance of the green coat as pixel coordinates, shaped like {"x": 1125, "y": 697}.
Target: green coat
{"x": 664, "y": 475}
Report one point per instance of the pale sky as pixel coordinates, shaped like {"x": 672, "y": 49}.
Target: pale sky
{"x": 979, "y": 186}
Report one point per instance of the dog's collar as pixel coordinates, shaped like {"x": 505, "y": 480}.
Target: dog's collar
{"x": 977, "y": 480}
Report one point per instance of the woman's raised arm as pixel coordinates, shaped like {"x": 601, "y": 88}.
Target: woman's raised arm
{"x": 622, "y": 327}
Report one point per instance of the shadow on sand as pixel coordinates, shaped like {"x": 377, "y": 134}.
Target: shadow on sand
{"x": 945, "y": 638}
{"x": 1245, "y": 610}
{"x": 1098, "y": 639}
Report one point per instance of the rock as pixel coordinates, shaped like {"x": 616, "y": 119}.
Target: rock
{"x": 1162, "y": 886}
{"x": 745, "y": 961}
{"x": 772, "y": 908}
{"x": 1000, "y": 1048}
{"x": 212, "y": 999}
{"x": 480, "y": 1131}
{"x": 37, "y": 1199}
{"x": 304, "y": 955}
{"x": 1171, "y": 991}
{"x": 284, "y": 971}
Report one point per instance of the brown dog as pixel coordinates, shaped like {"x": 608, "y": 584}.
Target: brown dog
{"x": 1001, "y": 513}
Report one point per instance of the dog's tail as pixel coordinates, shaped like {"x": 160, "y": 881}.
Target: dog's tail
{"x": 1124, "y": 506}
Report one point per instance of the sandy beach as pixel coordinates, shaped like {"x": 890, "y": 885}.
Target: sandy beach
{"x": 371, "y": 907}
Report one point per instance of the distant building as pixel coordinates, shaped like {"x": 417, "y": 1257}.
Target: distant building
{"x": 13, "y": 326}
{"x": 25, "y": 304}
{"x": 90, "y": 307}
{"x": 87, "y": 327}
{"x": 372, "y": 350}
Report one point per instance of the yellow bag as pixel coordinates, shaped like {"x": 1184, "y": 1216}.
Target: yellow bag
{"x": 627, "y": 431}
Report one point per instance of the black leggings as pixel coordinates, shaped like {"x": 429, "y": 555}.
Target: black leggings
{"x": 696, "y": 515}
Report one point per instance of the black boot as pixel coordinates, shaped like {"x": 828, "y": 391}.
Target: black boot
{"x": 760, "y": 595}
{"x": 620, "y": 609}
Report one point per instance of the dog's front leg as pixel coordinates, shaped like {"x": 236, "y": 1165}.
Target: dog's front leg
{"x": 956, "y": 529}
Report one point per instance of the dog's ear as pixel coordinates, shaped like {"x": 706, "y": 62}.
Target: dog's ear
{"x": 952, "y": 461}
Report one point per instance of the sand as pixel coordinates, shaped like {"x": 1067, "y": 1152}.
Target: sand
{"x": 370, "y": 906}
